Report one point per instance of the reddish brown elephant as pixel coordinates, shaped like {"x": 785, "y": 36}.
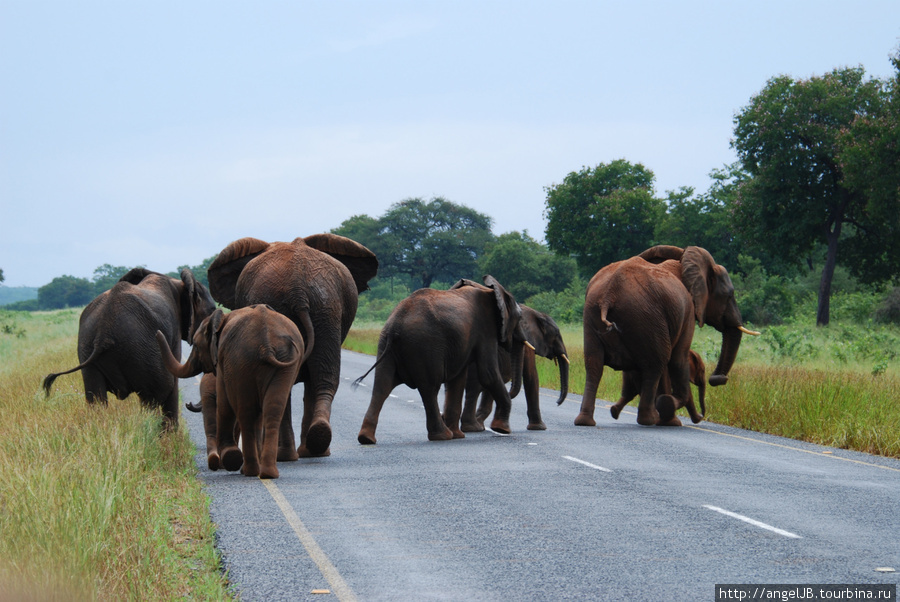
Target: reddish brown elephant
{"x": 314, "y": 281}
{"x": 256, "y": 354}
{"x": 432, "y": 337}
{"x": 115, "y": 338}
{"x": 639, "y": 316}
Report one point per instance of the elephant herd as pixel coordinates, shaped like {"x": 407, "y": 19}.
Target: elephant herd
{"x": 292, "y": 305}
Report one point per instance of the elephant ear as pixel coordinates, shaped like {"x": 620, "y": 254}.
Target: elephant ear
{"x": 510, "y": 312}
{"x": 696, "y": 268}
{"x": 462, "y": 283}
{"x": 136, "y": 275}
{"x": 196, "y": 304}
{"x": 215, "y": 324}
{"x": 361, "y": 262}
{"x": 223, "y": 273}
{"x": 661, "y": 253}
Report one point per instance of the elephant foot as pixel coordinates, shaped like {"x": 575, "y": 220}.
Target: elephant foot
{"x": 458, "y": 434}
{"x": 366, "y": 438}
{"x": 615, "y": 410}
{"x": 500, "y": 426}
{"x": 303, "y": 452}
{"x": 250, "y": 470}
{"x": 537, "y": 426}
{"x": 584, "y": 419}
{"x": 268, "y": 472}
{"x": 287, "y": 454}
{"x": 471, "y": 427}
{"x": 673, "y": 422}
{"x": 212, "y": 460}
{"x": 697, "y": 418}
{"x": 444, "y": 435}
{"x": 648, "y": 417}
{"x": 318, "y": 438}
{"x": 232, "y": 459}
{"x": 666, "y": 405}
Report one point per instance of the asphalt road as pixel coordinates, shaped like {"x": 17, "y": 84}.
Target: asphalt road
{"x": 615, "y": 512}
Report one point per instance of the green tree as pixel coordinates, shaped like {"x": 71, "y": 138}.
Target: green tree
{"x": 526, "y": 267}
{"x": 603, "y": 214}
{"x": 433, "y": 240}
{"x": 65, "y": 291}
{"x": 790, "y": 139}
{"x": 1, "y": 276}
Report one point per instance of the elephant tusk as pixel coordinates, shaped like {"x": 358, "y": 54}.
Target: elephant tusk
{"x": 750, "y": 332}
{"x": 564, "y": 357}
{"x": 529, "y": 345}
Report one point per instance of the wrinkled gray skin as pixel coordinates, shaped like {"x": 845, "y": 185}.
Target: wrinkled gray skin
{"x": 116, "y": 345}
{"x": 432, "y": 337}
{"x": 543, "y": 334}
{"x": 314, "y": 281}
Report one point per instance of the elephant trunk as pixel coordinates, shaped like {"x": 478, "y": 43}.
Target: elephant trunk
{"x": 731, "y": 341}
{"x": 517, "y": 357}
{"x": 563, "y": 362}
{"x": 189, "y": 368}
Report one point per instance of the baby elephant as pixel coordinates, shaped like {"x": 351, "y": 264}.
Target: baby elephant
{"x": 256, "y": 354}
{"x": 631, "y": 387}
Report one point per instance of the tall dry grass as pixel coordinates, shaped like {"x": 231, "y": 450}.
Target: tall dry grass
{"x": 95, "y": 502}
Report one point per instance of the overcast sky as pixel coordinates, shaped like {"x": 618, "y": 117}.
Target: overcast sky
{"x": 155, "y": 133}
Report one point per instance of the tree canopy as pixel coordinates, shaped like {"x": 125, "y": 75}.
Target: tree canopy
{"x": 525, "y": 267}
{"x": 65, "y": 291}
{"x": 602, "y": 214}
{"x": 424, "y": 240}
{"x": 790, "y": 139}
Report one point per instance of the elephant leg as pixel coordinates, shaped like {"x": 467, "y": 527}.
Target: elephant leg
{"x": 95, "y": 385}
{"x": 647, "y": 412}
{"x": 208, "y": 409}
{"x": 287, "y": 447}
{"x": 434, "y": 422}
{"x": 453, "y": 394}
{"x": 248, "y": 418}
{"x": 631, "y": 387}
{"x": 230, "y": 456}
{"x": 470, "y": 422}
{"x": 385, "y": 382}
{"x": 170, "y": 407}
{"x": 493, "y": 384}
{"x": 485, "y": 407}
{"x": 273, "y": 408}
{"x": 315, "y": 429}
{"x": 593, "y": 366}
{"x": 532, "y": 393}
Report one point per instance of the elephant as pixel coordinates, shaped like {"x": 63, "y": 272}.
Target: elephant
{"x": 639, "y": 316}
{"x": 207, "y": 407}
{"x": 432, "y": 337}
{"x": 631, "y": 384}
{"x": 314, "y": 281}
{"x": 115, "y": 338}
{"x": 255, "y": 354}
{"x": 541, "y": 332}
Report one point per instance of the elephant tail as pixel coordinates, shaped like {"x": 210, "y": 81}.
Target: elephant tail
{"x": 359, "y": 380}
{"x": 193, "y": 407}
{"x": 48, "y": 380}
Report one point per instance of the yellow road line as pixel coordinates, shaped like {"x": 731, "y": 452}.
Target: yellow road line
{"x": 338, "y": 586}
{"x": 751, "y": 439}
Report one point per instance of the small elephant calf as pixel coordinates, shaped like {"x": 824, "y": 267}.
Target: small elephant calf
{"x": 631, "y": 387}
{"x": 256, "y": 354}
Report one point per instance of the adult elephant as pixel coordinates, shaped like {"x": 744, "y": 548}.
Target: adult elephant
{"x": 544, "y": 335}
{"x": 116, "y": 338}
{"x": 432, "y": 337}
{"x": 639, "y": 315}
{"x": 314, "y": 281}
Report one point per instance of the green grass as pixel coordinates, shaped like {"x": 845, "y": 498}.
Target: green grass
{"x": 95, "y": 502}
{"x": 836, "y": 386}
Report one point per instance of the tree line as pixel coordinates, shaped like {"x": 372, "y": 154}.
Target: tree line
{"x": 811, "y": 206}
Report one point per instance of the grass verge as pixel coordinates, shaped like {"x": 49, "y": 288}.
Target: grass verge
{"x": 95, "y": 502}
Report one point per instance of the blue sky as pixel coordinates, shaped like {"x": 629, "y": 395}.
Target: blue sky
{"x": 155, "y": 133}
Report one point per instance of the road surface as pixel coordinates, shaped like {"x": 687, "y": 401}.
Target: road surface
{"x": 614, "y": 512}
